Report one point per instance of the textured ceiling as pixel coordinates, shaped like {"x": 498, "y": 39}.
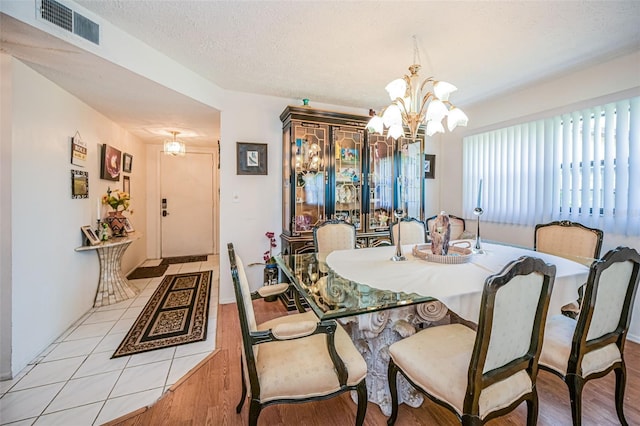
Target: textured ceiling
{"x": 345, "y": 52}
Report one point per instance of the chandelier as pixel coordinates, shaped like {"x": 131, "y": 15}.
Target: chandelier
{"x": 415, "y": 102}
{"x": 174, "y": 146}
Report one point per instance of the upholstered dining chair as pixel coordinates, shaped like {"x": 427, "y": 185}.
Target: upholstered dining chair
{"x": 485, "y": 374}
{"x": 458, "y": 227}
{"x": 593, "y": 345}
{"x": 573, "y": 241}
{"x": 412, "y": 231}
{"x": 294, "y": 358}
{"x": 334, "y": 235}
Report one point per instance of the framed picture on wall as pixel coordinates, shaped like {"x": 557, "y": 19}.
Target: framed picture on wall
{"x": 429, "y": 166}
{"x": 127, "y": 162}
{"x": 78, "y": 151}
{"x": 79, "y": 184}
{"x": 126, "y": 184}
{"x": 110, "y": 163}
{"x": 251, "y": 158}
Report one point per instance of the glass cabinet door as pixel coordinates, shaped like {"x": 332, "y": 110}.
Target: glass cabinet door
{"x": 308, "y": 154}
{"x": 381, "y": 182}
{"x": 411, "y": 176}
{"x": 348, "y": 149}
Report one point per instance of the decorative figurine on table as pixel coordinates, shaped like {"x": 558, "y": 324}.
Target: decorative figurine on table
{"x": 440, "y": 231}
{"x": 104, "y": 232}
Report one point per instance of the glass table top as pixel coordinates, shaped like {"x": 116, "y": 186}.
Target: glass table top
{"x": 332, "y": 296}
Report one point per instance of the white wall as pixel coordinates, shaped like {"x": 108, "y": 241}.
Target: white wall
{"x": 52, "y": 285}
{"x": 6, "y": 94}
{"x": 252, "y": 205}
{"x": 618, "y": 77}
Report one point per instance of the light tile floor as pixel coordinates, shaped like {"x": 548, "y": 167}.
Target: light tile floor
{"x": 74, "y": 382}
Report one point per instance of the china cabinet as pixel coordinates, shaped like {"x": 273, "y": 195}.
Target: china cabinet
{"x": 333, "y": 168}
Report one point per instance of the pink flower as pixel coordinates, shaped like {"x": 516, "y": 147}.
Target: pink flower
{"x": 272, "y": 244}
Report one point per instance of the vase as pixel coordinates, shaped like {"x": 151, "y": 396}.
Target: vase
{"x": 116, "y": 221}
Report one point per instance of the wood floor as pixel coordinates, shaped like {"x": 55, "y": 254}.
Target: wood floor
{"x": 209, "y": 394}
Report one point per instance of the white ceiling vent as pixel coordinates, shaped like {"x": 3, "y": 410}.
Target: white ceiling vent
{"x": 69, "y": 20}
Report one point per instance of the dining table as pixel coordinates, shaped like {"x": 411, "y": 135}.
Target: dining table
{"x": 380, "y": 301}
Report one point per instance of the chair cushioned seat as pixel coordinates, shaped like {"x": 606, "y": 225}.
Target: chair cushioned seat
{"x": 302, "y": 368}
{"x": 437, "y": 359}
{"x": 556, "y": 348}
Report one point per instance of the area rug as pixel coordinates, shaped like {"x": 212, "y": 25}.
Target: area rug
{"x": 148, "y": 272}
{"x": 177, "y": 313}
{"x": 183, "y": 259}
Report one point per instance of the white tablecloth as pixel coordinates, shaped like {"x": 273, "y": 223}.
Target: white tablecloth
{"x": 458, "y": 286}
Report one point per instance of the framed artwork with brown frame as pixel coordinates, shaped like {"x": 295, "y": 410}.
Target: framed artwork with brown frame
{"x": 110, "y": 163}
{"x": 429, "y": 166}
{"x": 251, "y": 158}
{"x": 90, "y": 235}
{"x": 79, "y": 184}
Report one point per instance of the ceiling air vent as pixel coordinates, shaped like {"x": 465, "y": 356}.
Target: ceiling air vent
{"x": 69, "y": 20}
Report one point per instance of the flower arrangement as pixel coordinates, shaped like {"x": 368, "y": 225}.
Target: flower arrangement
{"x": 117, "y": 199}
{"x": 268, "y": 258}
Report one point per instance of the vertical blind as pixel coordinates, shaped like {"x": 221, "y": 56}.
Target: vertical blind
{"x": 582, "y": 166}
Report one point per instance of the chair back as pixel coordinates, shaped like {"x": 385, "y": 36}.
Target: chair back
{"x": 607, "y": 302}
{"x": 570, "y": 240}
{"x": 510, "y": 332}
{"x": 246, "y": 315}
{"x": 412, "y": 231}
{"x": 458, "y": 226}
{"x": 334, "y": 235}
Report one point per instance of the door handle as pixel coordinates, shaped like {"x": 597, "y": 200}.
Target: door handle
{"x": 165, "y": 213}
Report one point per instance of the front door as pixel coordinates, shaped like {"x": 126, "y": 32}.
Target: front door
{"x": 186, "y": 188}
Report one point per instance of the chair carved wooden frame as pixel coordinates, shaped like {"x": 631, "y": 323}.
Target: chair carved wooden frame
{"x": 485, "y": 355}
{"x": 597, "y": 345}
{"x": 576, "y": 241}
{"x": 414, "y": 227}
{"x": 571, "y": 240}
{"x": 294, "y": 327}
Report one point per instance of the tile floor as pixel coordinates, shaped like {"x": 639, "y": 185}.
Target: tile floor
{"x": 74, "y": 382}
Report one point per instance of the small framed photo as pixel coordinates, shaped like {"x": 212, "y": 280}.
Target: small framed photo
{"x": 90, "y": 235}
{"x": 78, "y": 151}
{"x": 127, "y": 225}
{"x": 251, "y": 158}
{"x": 110, "y": 164}
{"x": 79, "y": 184}
{"x": 429, "y": 166}
{"x": 127, "y": 162}
{"x": 126, "y": 184}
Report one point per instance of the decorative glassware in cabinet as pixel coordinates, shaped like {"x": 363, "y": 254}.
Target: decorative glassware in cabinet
{"x": 309, "y": 148}
{"x": 348, "y": 144}
{"x": 412, "y": 176}
{"x": 381, "y": 182}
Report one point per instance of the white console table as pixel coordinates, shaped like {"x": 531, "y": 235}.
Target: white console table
{"x": 113, "y": 286}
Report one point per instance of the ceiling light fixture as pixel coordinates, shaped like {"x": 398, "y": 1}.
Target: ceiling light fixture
{"x": 414, "y": 103}
{"x": 174, "y": 146}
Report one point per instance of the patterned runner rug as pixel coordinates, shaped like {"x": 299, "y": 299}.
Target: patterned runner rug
{"x": 176, "y": 313}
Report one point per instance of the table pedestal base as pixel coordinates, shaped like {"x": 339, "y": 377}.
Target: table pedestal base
{"x": 113, "y": 286}
{"x": 373, "y": 334}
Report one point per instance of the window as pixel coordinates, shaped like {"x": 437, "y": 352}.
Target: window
{"x": 582, "y": 166}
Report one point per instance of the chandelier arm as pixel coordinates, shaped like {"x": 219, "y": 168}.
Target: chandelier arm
{"x": 425, "y": 99}
{"x": 426, "y": 81}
